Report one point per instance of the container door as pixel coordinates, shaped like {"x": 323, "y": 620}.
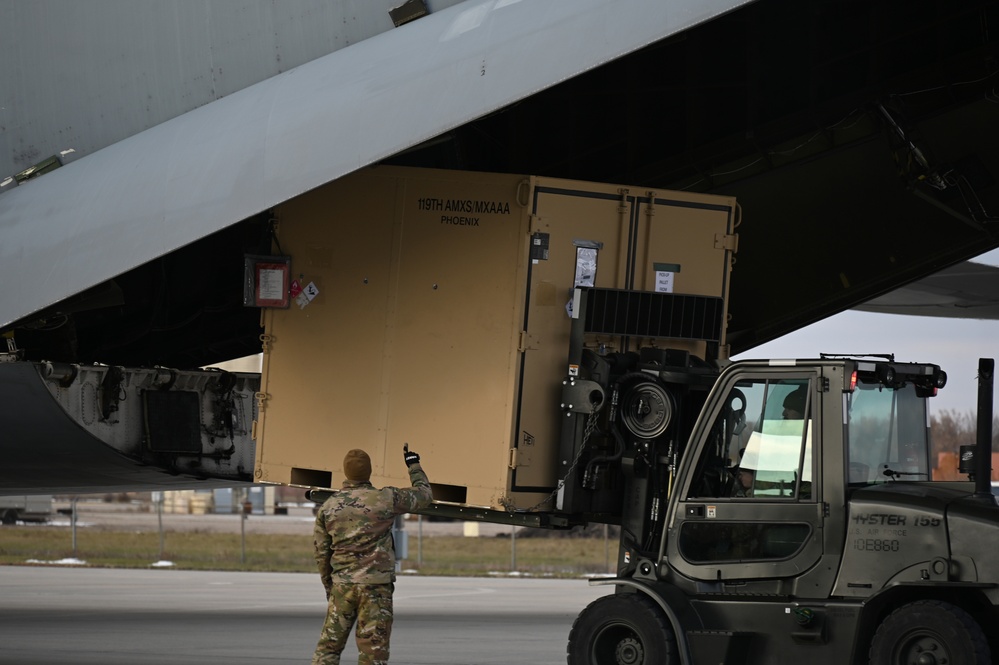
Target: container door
{"x": 604, "y": 236}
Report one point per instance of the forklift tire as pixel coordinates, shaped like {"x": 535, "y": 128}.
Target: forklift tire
{"x": 621, "y": 629}
{"x": 929, "y": 631}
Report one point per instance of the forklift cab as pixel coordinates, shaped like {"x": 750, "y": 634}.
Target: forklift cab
{"x": 776, "y": 444}
{"x": 750, "y": 497}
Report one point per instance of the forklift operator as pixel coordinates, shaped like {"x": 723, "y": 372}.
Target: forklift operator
{"x": 794, "y": 404}
{"x": 793, "y": 409}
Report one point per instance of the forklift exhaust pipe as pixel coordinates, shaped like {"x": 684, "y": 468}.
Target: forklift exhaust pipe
{"x": 983, "y": 449}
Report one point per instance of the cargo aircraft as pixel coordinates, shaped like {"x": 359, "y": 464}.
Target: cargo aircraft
{"x": 144, "y": 147}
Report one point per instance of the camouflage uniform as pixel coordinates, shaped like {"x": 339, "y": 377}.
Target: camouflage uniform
{"x": 356, "y": 559}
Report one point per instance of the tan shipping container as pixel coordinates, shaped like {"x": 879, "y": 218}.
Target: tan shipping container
{"x": 436, "y": 311}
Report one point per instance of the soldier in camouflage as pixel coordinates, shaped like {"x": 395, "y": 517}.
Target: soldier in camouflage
{"x": 356, "y": 557}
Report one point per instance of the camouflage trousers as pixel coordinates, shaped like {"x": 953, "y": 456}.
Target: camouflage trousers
{"x": 367, "y": 605}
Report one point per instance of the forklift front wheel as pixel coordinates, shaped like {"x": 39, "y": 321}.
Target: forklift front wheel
{"x": 932, "y": 632}
{"x": 621, "y": 629}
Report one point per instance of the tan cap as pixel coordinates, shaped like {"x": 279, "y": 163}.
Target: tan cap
{"x": 357, "y": 465}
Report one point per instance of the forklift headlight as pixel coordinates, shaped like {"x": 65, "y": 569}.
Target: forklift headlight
{"x": 886, "y": 375}
{"x": 940, "y": 380}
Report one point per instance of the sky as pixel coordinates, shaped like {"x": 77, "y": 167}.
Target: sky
{"x": 953, "y": 344}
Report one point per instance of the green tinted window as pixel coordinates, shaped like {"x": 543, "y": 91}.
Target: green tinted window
{"x": 887, "y": 430}
{"x": 760, "y": 446}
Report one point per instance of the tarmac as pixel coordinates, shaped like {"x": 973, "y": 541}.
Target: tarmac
{"x": 98, "y": 616}
{"x": 156, "y": 616}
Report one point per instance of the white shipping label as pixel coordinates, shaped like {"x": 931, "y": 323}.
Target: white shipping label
{"x": 271, "y": 285}
{"x": 664, "y": 281}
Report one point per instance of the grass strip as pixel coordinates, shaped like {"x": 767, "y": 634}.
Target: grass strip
{"x": 438, "y": 555}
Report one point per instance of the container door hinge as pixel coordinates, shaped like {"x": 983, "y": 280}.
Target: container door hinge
{"x": 261, "y": 399}
{"x": 265, "y": 342}
{"x": 513, "y": 458}
{"x": 622, "y": 206}
{"x": 728, "y": 241}
{"x": 538, "y": 224}
{"x": 527, "y": 343}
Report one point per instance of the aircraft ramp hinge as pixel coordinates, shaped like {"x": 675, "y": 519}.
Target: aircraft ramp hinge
{"x": 727, "y": 241}
{"x": 11, "y": 344}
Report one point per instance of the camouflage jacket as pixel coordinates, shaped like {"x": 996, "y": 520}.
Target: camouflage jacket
{"x": 353, "y": 534}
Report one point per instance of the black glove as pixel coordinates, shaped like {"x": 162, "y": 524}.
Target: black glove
{"x": 411, "y": 458}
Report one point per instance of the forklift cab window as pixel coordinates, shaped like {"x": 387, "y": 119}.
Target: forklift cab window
{"x": 888, "y": 434}
{"x": 760, "y": 446}
{"x": 759, "y": 450}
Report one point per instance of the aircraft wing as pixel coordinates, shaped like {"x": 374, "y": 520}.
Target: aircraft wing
{"x": 196, "y": 174}
{"x": 967, "y": 290}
